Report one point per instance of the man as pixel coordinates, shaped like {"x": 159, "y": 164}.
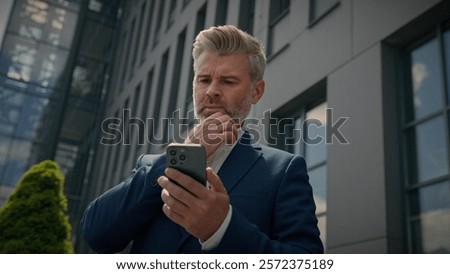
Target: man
{"x": 259, "y": 201}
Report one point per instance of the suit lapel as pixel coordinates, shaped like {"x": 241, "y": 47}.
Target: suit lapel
{"x": 243, "y": 156}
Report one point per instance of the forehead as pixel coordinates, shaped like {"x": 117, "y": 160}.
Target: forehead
{"x": 209, "y": 62}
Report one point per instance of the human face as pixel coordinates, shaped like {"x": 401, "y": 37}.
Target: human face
{"x": 222, "y": 83}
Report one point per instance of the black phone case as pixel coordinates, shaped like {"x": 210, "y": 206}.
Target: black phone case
{"x": 189, "y": 159}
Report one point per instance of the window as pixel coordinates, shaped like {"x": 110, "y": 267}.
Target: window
{"x": 159, "y": 96}
{"x": 125, "y": 54}
{"x": 11, "y": 103}
{"x": 121, "y": 150}
{"x": 300, "y": 128}
{"x": 189, "y": 104}
{"x": 278, "y": 27}
{"x": 99, "y": 48}
{"x": 311, "y": 122}
{"x": 132, "y": 133}
{"x": 319, "y": 8}
{"x": 426, "y": 124}
{"x": 247, "y": 15}
{"x": 145, "y": 104}
{"x": 27, "y": 61}
{"x": 185, "y": 3}
{"x": 174, "y": 89}
{"x": 138, "y": 35}
{"x": 157, "y": 31}
{"x": 42, "y": 22}
{"x": 148, "y": 30}
{"x": 133, "y": 33}
{"x": 19, "y": 154}
{"x": 221, "y": 12}
{"x": 172, "y": 11}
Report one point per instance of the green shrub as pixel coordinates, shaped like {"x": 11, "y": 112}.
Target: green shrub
{"x": 33, "y": 219}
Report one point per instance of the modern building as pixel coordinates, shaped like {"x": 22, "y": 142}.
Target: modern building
{"x": 55, "y": 62}
{"x": 360, "y": 88}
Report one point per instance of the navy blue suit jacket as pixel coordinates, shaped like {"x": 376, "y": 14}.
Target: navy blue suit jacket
{"x": 271, "y": 198}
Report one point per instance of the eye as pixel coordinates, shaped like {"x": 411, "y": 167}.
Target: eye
{"x": 203, "y": 80}
{"x": 228, "y": 82}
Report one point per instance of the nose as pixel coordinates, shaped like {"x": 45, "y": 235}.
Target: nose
{"x": 214, "y": 89}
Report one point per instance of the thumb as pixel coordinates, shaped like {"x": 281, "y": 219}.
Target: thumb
{"x": 214, "y": 181}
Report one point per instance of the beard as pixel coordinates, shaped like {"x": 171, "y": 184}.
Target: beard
{"x": 237, "y": 112}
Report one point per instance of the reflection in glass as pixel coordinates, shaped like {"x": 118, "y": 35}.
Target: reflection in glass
{"x": 4, "y": 148}
{"x": 77, "y": 123}
{"x": 60, "y": 28}
{"x": 17, "y": 162}
{"x": 322, "y": 224}
{"x": 50, "y": 67}
{"x": 430, "y": 198}
{"x": 10, "y": 106}
{"x": 71, "y": 4}
{"x": 309, "y": 135}
{"x": 105, "y": 7}
{"x": 314, "y": 135}
{"x": 29, "y": 19}
{"x": 31, "y": 116}
{"x": 431, "y": 149}
{"x": 39, "y": 21}
{"x": 431, "y": 229}
{"x": 99, "y": 47}
{"x": 18, "y": 58}
{"x": 447, "y": 61}
{"x": 426, "y": 79}
{"x": 318, "y": 180}
{"x": 21, "y": 59}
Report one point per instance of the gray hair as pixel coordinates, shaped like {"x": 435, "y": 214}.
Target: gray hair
{"x": 228, "y": 39}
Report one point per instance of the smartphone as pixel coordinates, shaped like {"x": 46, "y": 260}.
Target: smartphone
{"x": 189, "y": 159}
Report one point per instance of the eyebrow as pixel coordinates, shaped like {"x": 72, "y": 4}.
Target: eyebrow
{"x": 234, "y": 77}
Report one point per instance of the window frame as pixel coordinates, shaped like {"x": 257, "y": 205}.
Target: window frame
{"x": 314, "y": 19}
{"x": 408, "y": 125}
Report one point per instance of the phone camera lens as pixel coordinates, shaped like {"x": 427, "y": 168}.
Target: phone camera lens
{"x": 182, "y": 157}
{"x": 173, "y": 161}
{"x": 173, "y": 152}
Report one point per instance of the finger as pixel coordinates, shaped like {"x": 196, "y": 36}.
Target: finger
{"x": 173, "y": 203}
{"x": 196, "y": 134}
{"x": 191, "y": 186}
{"x": 222, "y": 129}
{"x": 230, "y": 134}
{"x": 175, "y": 217}
{"x": 217, "y": 120}
{"x": 175, "y": 190}
{"x": 214, "y": 181}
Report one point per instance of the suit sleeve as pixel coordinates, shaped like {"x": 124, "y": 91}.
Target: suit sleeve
{"x": 112, "y": 220}
{"x": 294, "y": 228}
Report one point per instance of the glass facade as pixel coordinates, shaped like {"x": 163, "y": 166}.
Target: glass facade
{"x": 426, "y": 134}
{"x": 33, "y": 64}
{"x": 311, "y": 122}
{"x": 53, "y": 79}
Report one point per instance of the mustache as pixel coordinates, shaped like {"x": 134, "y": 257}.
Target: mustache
{"x": 210, "y": 104}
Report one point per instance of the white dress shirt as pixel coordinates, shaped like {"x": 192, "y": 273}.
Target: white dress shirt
{"x": 215, "y": 161}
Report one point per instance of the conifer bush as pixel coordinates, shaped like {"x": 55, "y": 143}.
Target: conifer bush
{"x": 33, "y": 219}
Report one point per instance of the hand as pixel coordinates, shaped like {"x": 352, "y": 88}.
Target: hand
{"x": 198, "y": 209}
{"x": 213, "y": 131}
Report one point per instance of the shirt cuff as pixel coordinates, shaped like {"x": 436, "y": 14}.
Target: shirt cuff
{"x": 215, "y": 239}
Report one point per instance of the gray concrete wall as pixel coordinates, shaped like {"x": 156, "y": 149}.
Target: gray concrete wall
{"x": 356, "y": 200}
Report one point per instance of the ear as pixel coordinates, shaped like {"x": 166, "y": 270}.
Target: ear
{"x": 258, "y": 91}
